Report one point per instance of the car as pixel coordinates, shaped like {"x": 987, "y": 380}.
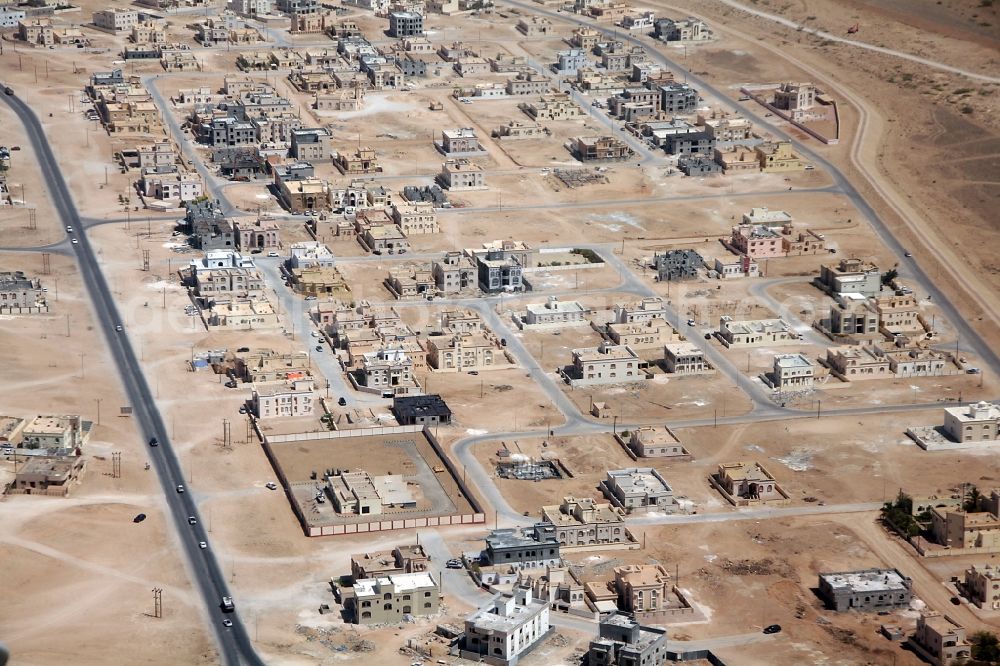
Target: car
{"x": 691, "y": 322}
{"x": 772, "y": 628}
{"x": 118, "y": 328}
{"x": 315, "y": 334}
{"x": 243, "y": 409}
{"x": 310, "y": 298}
{"x": 69, "y": 230}
{"x": 907, "y": 254}
{"x": 708, "y": 336}
{"x": 242, "y": 350}
{"x": 342, "y": 401}
{"x": 230, "y": 384}
{"x": 256, "y": 251}
{"x": 202, "y": 544}
{"x": 272, "y": 254}
{"x": 473, "y": 372}
{"x": 180, "y": 489}
{"x": 139, "y": 518}
{"x": 972, "y": 371}
{"x": 192, "y": 520}
{"x": 453, "y": 564}
{"x": 271, "y": 485}
{"x": 227, "y": 622}
{"x": 153, "y": 441}
{"x": 319, "y": 348}
{"x": 74, "y": 241}
{"x": 956, "y": 601}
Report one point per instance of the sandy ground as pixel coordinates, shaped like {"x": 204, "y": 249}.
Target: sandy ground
{"x": 920, "y": 117}
{"x": 98, "y": 567}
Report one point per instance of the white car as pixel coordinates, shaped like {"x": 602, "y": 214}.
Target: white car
{"x": 202, "y": 544}
{"x": 272, "y": 254}
{"x": 69, "y": 230}
{"x": 75, "y": 241}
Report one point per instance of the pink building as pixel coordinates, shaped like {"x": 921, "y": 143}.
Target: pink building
{"x": 757, "y": 241}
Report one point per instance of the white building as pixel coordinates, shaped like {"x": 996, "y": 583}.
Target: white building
{"x": 116, "y": 19}
{"x": 311, "y": 254}
{"x": 250, "y": 7}
{"x": 171, "y": 186}
{"x": 755, "y": 333}
{"x": 500, "y": 632}
{"x": 651, "y": 307}
{"x": 293, "y": 398}
{"x": 554, "y": 312}
{"x": 793, "y": 372}
{"x": 10, "y": 17}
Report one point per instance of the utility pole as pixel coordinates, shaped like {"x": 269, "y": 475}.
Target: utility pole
{"x": 116, "y": 464}
{"x": 157, "y": 602}
{"x": 98, "y": 400}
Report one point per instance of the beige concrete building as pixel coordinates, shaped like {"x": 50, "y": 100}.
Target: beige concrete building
{"x": 415, "y": 218}
{"x": 362, "y": 160}
{"x": 55, "y": 432}
{"x": 319, "y": 281}
{"x": 941, "y": 640}
{"x": 793, "y": 372}
{"x": 454, "y": 273}
{"x": 36, "y": 31}
{"x": 651, "y": 307}
{"x": 48, "y": 476}
{"x": 755, "y": 333}
{"x": 266, "y": 365}
{"x": 606, "y": 364}
{"x": 898, "y": 313}
{"x": 962, "y": 529}
{"x": 858, "y": 362}
{"x": 642, "y": 588}
{"x": 584, "y": 522}
{"x": 116, "y": 19}
{"x": 301, "y": 196}
{"x": 409, "y": 558}
{"x": 554, "y": 312}
{"x": 982, "y": 586}
{"x": 461, "y": 174}
{"x": 637, "y": 489}
{"x": 656, "y": 442}
{"x": 554, "y": 106}
{"x": 460, "y": 352}
{"x": 387, "y": 599}
{"x": 747, "y": 482}
{"x": 684, "y": 358}
{"x": 241, "y": 314}
{"x": 648, "y": 334}
{"x": 778, "y": 157}
{"x": 600, "y": 149}
{"x": 283, "y": 399}
{"x": 977, "y": 422}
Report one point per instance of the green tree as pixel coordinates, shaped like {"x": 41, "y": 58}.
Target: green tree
{"x": 889, "y": 276}
{"x": 985, "y": 647}
{"x": 972, "y": 498}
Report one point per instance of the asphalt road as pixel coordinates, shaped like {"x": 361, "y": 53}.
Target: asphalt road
{"x": 233, "y": 642}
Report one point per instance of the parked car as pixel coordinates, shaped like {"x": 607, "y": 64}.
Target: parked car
{"x": 453, "y": 564}
{"x": 242, "y": 350}
{"x": 772, "y": 628}
{"x": 319, "y": 348}
{"x": 227, "y": 622}
{"x": 139, "y": 518}
{"x": 230, "y": 384}
{"x": 342, "y": 401}
{"x": 473, "y": 372}
{"x": 271, "y": 485}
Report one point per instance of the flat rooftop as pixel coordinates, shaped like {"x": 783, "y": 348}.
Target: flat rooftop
{"x": 638, "y": 480}
{"x": 401, "y": 582}
{"x": 871, "y": 580}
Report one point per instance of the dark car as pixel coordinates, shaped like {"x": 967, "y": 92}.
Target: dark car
{"x": 242, "y": 350}
{"x": 319, "y": 348}
{"x": 153, "y": 441}
{"x": 342, "y": 401}
{"x": 772, "y": 628}
{"x": 230, "y": 384}
{"x": 139, "y": 518}
{"x": 956, "y": 601}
